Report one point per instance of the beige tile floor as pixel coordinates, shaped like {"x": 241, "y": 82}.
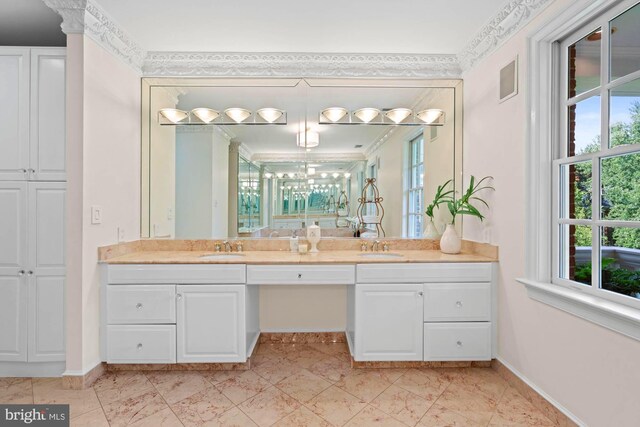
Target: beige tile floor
{"x": 289, "y": 385}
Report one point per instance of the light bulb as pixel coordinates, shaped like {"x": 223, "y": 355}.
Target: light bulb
{"x": 367, "y": 114}
{"x": 270, "y": 114}
{"x": 397, "y": 115}
{"x": 431, "y": 115}
{"x": 206, "y": 115}
{"x": 334, "y": 114}
{"x": 236, "y": 114}
{"x": 173, "y": 114}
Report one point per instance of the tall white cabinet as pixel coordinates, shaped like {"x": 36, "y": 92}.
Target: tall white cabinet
{"x": 32, "y": 210}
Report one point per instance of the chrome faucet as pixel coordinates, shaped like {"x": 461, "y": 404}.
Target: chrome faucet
{"x": 375, "y": 246}
{"x": 227, "y": 246}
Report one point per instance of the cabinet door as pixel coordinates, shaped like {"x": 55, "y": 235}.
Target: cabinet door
{"x": 46, "y": 228}
{"x": 47, "y": 121}
{"x": 211, "y": 323}
{"x": 13, "y": 227}
{"x": 14, "y": 113}
{"x": 46, "y": 318}
{"x": 13, "y": 318}
{"x": 388, "y": 322}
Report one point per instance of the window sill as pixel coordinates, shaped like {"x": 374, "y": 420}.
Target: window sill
{"x": 611, "y": 315}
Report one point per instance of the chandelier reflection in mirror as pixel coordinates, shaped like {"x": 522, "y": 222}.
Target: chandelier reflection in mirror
{"x": 230, "y": 116}
{"x": 387, "y": 117}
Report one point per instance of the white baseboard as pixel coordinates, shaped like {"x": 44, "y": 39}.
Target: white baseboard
{"x": 33, "y": 369}
{"x": 538, "y": 390}
{"x": 81, "y": 373}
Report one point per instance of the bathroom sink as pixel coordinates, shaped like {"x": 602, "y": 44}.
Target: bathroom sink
{"x": 222, "y": 256}
{"x": 380, "y": 255}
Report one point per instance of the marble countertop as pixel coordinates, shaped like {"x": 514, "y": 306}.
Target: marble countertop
{"x": 286, "y": 257}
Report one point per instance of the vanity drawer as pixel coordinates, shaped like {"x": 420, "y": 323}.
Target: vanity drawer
{"x": 123, "y": 274}
{"x": 424, "y": 272}
{"x": 141, "y": 344}
{"x": 461, "y": 302}
{"x": 301, "y": 274}
{"x": 128, "y": 304}
{"x": 457, "y": 341}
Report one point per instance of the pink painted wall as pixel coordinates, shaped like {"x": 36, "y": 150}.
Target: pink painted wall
{"x": 591, "y": 371}
{"x": 105, "y": 171}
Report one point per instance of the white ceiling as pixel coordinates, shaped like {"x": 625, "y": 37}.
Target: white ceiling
{"x": 362, "y": 26}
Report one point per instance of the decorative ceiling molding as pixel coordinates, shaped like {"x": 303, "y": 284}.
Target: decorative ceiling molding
{"x": 214, "y": 64}
{"x": 85, "y": 17}
{"x": 302, "y": 156}
{"x": 513, "y": 16}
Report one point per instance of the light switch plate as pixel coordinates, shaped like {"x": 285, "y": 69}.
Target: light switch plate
{"x": 96, "y": 214}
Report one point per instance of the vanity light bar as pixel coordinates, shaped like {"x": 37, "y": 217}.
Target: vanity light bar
{"x": 229, "y": 117}
{"x": 374, "y": 116}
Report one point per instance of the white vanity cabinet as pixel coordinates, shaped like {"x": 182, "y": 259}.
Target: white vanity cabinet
{"x": 169, "y": 313}
{"x": 211, "y": 323}
{"x": 388, "y": 321}
{"x": 422, "y": 311}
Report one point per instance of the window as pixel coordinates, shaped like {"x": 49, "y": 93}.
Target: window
{"x": 596, "y": 220}
{"x": 414, "y": 180}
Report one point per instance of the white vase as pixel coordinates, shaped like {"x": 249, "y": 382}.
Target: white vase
{"x": 313, "y": 236}
{"x": 450, "y": 242}
{"x": 431, "y": 231}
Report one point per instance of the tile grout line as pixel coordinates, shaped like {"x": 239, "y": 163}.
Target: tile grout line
{"x": 498, "y": 403}
{"x": 163, "y": 399}
{"x": 101, "y": 405}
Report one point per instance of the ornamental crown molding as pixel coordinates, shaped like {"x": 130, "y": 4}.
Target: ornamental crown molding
{"x": 511, "y": 18}
{"x": 85, "y": 17}
{"x": 219, "y": 64}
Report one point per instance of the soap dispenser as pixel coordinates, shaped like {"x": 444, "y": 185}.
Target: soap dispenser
{"x": 294, "y": 242}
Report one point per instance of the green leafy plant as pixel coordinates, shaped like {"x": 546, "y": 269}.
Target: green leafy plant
{"x": 464, "y": 204}
{"x": 440, "y": 198}
{"x": 614, "y": 278}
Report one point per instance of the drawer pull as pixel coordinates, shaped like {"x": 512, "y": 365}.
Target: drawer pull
{"x": 139, "y": 306}
{"x": 420, "y": 293}
{"x": 459, "y": 304}
{"x": 459, "y": 343}
{"x": 179, "y": 297}
{"x": 139, "y": 346}
{"x": 299, "y": 275}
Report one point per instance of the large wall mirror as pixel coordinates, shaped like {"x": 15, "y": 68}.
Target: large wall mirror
{"x": 268, "y": 157}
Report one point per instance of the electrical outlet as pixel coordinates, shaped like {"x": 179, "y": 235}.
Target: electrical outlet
{"x": 96, "y": 214}
{"x": 120, "y": 234}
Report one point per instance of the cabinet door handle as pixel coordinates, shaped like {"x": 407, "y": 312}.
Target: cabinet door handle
{"x": 20, "y": 272}
{"x": 179, "y": 297}
{"x": 30, "y": 273}
{"x": 139, "y": 346}
{"x": 139, "y": 305}
{"x": 23, "y": 170}
{"x": 420, "y": 293}
{"x": 459, "y": 304}
{"x": 299, "y": 275}
{"x": 459, "y": 343}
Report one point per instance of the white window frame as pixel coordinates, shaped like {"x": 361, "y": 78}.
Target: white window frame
{"x": 544, "y": 135}
{"x": 410, "y": 187}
